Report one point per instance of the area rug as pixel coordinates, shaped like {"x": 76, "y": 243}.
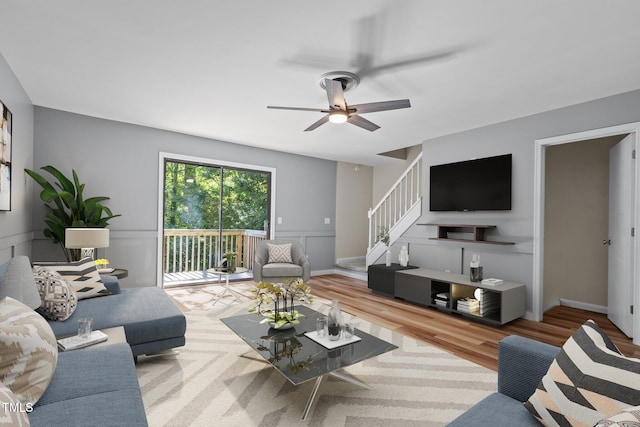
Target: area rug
{"x": 207, "y": 383}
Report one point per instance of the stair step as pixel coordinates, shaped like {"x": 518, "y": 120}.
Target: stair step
{"x": 353, "y": 265}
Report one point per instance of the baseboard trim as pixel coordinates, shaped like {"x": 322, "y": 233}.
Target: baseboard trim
{"x": 583, "y": 306}
{"x": 348, "y": 273}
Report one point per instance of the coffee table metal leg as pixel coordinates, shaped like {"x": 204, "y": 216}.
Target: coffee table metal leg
{"x": 343, "y": 376}
{"x": 348, "y": 378}
{"x": 312, "y": 397}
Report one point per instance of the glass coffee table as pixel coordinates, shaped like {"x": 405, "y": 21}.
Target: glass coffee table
{"x": 298, "y": 357}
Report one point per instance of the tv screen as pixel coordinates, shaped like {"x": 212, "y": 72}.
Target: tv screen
{"x": 472, "y": 185}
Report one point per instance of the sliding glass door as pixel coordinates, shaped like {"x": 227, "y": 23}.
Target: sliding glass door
{"x": 210, "y": 210}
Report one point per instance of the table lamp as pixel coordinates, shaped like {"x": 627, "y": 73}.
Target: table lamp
{"x": 86, "y": 239}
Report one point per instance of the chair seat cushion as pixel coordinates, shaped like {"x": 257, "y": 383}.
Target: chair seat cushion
{"x": 281, "y": 269}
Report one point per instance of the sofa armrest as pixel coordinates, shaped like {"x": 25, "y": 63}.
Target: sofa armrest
{"x": 111, "y": 283}
{"x": 522, "y": 362}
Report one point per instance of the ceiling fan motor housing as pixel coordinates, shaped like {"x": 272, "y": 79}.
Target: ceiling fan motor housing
{"x": 347, "y": 80}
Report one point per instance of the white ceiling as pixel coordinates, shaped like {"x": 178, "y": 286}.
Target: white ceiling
{"x": 210, "y": 67}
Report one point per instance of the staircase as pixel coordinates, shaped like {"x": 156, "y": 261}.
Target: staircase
{"x": 397, "y": 211}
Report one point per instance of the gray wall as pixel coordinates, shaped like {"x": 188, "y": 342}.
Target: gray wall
{"x": 512, "y": 263}
{"x": 353, "y": 201}
{"x": 121, "y": 161}
{"x": 15, "y": 225}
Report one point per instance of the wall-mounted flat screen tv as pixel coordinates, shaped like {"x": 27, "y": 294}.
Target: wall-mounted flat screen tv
{"x": 472, "y": 185}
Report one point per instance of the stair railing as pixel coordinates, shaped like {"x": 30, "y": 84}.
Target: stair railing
{"x": 398, "y": 201}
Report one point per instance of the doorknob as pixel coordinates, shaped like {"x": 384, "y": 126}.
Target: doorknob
{"x": 606, "y": 242}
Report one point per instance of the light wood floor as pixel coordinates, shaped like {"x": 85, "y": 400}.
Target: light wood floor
{"x": 467, "y": 339}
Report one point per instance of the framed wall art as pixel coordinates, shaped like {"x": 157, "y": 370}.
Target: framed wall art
{"x": 6, "y": 120}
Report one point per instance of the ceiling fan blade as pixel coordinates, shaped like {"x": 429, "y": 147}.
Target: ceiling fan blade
{"x": 335, "y": 94}
{"x": 322, "y": 121}
{"x": 318, "y": 110}
{"x": 355, "y": 119}
{"x": 380, "y": 106}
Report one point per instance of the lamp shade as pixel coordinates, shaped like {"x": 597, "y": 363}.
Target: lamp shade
{"x": 78, "y": 238}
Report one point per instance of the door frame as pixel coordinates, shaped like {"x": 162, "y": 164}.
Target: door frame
{"x": 163, "y": 156}
{"x": 538, "y": 219}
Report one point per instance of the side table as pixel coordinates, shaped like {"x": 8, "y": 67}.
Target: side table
{"x": 381, "y": 279}
{"x": 226, "y": 274}
{"x": 120, "y": 273}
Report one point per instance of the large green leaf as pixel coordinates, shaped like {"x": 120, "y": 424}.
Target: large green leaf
{"x": 67, "y": 208}
{"x": 63, "y": 182}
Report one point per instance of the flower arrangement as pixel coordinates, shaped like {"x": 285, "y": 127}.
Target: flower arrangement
{"x": 276, "y": 301}
{"x": 101, "y": 263}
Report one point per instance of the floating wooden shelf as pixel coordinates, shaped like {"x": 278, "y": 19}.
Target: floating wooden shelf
{"x": 477, "y": 233}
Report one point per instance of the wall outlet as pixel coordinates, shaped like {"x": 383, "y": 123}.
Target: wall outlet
{"x": 327, "y": 221}
{"x": 279, "y": 220}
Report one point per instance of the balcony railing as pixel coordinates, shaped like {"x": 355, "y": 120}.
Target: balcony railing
{"x": 197, "y": 250}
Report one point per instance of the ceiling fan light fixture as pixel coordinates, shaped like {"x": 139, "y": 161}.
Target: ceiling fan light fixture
{"x": 338, "y": 116}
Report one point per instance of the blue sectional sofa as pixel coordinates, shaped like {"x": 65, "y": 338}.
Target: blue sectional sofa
{"x": 92, "y": 386}
{"x": 99, "y": 385}
{"x": 151, "y": 321}
{"x": 522, "y": 363}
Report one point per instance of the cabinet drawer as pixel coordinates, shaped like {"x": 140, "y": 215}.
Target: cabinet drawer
{"x": 413, "y": 288}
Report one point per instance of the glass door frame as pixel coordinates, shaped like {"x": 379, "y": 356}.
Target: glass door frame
{"x": 164, "y": 156}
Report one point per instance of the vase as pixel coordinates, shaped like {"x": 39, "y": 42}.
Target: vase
{"x": 334, "y": 321}
{"x": 231, "y": 265}
{"x": 283, "y": 327}
{"x": 388, "y": 258}
{"x": 403, "y": 258}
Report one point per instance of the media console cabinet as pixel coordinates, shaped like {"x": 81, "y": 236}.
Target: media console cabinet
{"x": 498, "y": 304}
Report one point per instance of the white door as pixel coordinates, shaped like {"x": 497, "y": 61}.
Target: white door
{"x": 621, "y": 205}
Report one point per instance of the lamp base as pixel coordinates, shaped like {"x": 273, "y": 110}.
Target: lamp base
{"x": 87, "y": 253}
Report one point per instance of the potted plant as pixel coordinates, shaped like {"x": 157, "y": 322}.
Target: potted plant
{"x": 67, "y": 207}
{"x": 276, "y": 302}
{"x": 230, "y": 258}
{"x": 383, "y": 236}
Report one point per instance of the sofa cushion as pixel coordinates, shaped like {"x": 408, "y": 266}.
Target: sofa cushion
{"x": 496, "y": 410}
{"x": 83, "y": 276}
{"x": 628, "y": 418}
{"x": 279, "y": 253}
{"x": 16, "y": 281}
{"x": 147, "y": 315}
{"x": 58, "y": 297}
{"x": 588, "y": 380}
{"x": 96, "y": 385}
{"x": 29, "y": 351}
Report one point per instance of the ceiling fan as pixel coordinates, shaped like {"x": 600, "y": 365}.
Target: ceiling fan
{"x": 339, "y": 111}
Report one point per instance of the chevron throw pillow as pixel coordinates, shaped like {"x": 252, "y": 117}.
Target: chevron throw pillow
{"x": 588, "y": 380}
{"x": 279, "y": 253}
{"x": 83, "y": 276}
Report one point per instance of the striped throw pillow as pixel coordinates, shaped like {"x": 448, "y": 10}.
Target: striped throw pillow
{"x": 588, "y": 380}
{"x": 83, "y": 276}
{"x": 279, "y": 253}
